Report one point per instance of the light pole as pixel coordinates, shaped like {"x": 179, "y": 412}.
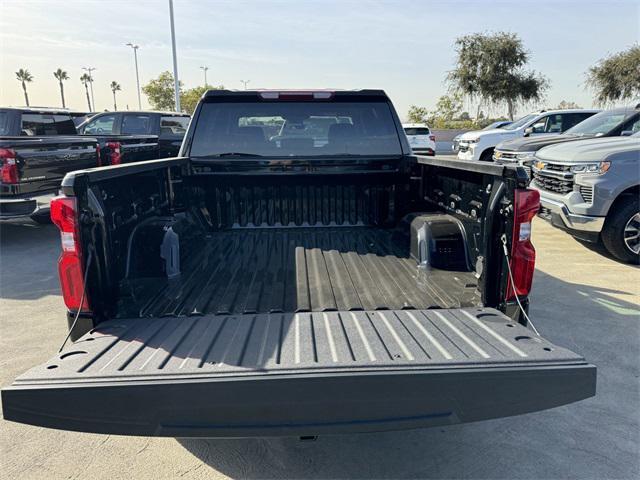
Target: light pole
{"x": 175, "y": 58}
{"x": 91, "y": 69}
{"x": 135, "y": 57}
{"x": 204, "y": 69}
{"x": 245, "y": 83}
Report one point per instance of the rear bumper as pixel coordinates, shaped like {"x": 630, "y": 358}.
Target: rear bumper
{"x": 559, "y": 215}
{"x": 15, "y": 208}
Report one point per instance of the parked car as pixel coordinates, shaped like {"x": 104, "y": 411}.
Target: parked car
{"x": 168, "y": 127}
{"x": 479, "y": 145}
{"x": 455, "y": 146}
{"x": 250, "y": 288}
{"x": 592, "y": 190}
{"x": 421, "y": 140}
{"x": 37, "y": 147}
{"x": 610, "y": 123}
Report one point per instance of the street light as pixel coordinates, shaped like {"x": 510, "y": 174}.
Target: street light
{"x": 175, "y": 58}
{"x": 135, "y": 57}
{"x": 204, "y": 69}
{"x": 91, "y": 69}
{"x": 245, "y": 83}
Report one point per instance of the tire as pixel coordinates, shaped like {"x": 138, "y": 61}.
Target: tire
{"x": 624, "y": 215}
{"x": 487, "y": 155}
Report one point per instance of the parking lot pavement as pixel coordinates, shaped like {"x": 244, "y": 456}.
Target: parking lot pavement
{"x": 582, "y": 300}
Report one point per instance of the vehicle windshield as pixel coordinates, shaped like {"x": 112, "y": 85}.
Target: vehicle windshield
{"x": 599, "y": 124}
{"x": 521, "y": 122}
{"x": 498, "y": 124}
{"x": 302, "y": 129}
{"x": 4, "y": 123}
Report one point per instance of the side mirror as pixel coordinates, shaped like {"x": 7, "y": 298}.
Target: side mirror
{"x": 626, "y": 133}
{"x": 528, "y": 131}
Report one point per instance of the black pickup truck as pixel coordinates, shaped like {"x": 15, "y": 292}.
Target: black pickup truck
{"x": 332, "y": 283}
{"x": 167, "y": 128}
{"x": 38, "y": 146}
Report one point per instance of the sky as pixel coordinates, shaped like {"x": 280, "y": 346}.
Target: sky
{"x": 403, "y": 47}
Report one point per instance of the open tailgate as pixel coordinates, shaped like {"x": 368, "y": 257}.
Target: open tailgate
{"x": 297, "y": 374}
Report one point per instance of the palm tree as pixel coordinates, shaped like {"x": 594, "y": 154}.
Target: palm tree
{"x": 25, "y": 77}
{"x": 61, "y": 75}
{"x": 85, "y": 79}
{"x": 115, "y": 87}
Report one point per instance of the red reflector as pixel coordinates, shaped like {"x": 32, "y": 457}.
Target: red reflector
{"x": 8, "y": 166}
{"x": 116, "y": 156}
{"x": 65, "y": 216}
{"x": 523, "y": 255}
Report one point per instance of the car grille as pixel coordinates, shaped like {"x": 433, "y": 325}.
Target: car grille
{"x": 587, "y": 193}
{"x": 554, "y": 177}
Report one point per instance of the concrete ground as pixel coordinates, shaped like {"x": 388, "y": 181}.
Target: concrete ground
{"x": 582, "y": 300}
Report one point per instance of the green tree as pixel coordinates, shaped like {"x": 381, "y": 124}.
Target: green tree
{"x": 61, "y": 75}
{"x": 160, "y": 91}
{"x": 115, "y": 87}
{"x": 85, "y": 79}
{"x": 448, "y": 106}
{"x": 190, "y": 98}
{"x": 25, "y": 77}
{"x": 417, "y": 114}
{"x": 565, "y": 105}
{"x": 492, "y": 67}
{"x": 617, "y": 77}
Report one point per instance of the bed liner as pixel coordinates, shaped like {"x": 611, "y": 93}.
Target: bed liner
{"x": 299, "y": 270}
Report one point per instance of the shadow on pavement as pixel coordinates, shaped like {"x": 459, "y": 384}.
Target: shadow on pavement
{"x": 596, "y": 438}
{"x": 28, "y": 260}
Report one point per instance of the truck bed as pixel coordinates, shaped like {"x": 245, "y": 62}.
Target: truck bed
{"x": 299, "y": 270}
{"x": 297, "y": 374}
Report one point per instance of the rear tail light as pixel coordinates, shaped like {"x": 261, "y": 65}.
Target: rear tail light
{"x": 432, "y": 138}
{"x": 116, "y": 156}
{"x": 523, "y": 255}
{"x": 99, "y": 159}
{"x": 65, "y": 215}
{"x": 9, "y": 166}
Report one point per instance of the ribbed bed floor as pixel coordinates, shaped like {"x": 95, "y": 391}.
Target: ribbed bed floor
{"x": 300, "y": 270}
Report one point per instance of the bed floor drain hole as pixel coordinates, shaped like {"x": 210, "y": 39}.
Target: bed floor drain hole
{"x": 70, "y": 354}
{"x": 51, "y": 367}
{"x": 547, "y": 349}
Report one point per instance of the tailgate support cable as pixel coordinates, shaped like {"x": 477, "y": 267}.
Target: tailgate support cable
{"x": 84, "y": 293}
{"x": 513, "y": 284}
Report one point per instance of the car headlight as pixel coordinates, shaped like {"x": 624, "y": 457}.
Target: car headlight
{"x": 596, "y": 168}
{"x": 471, "y": 140}
{"x": 525, "y": 156}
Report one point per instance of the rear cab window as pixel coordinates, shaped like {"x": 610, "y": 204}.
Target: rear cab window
{"x": 136, "y": 124}
{"x": 173, "y": 126}
{"x": 43, "y": 124}
{"x": 416, "y": 131}
{"x": 295, "y": 128}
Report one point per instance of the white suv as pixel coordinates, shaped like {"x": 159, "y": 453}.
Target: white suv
{"x": 479, "y": 144}
{"x": 421, "y": 140}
